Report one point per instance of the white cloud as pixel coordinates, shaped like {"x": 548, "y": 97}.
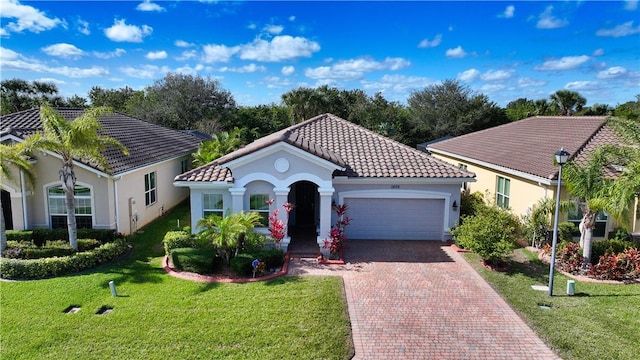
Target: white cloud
{"x": 147, "y": 5}
{"x": 251, "y": 68}
{"x": 83, "y": 27}
{"x": 116, "y": 53}
{"x": 496, "y": 75}
{"x": 282, "y": 47}
{"x": 15, "y": 61}
{"x": 274, "y": 29}
{"x": 492, "y": 87}
{"x": 187, "y": 54}
{"x": 156, "y": 55}
{"x": 620, "y": 30}
{"x": 456, "y": 52}
{"x": 399, "y": 84}
{"x": 218, "y": 53}
{"x": 145, "y": 71}
{"x": 193, "y": 70}
{"x": 121, "y": 32}
{"x": 426, "y": 43}
{"x": 582, "y": 85}
{"x": 631, "y": 5}
{"x": 292, "y": 18}
{"x": 468, "y": 75}
{"x": 598, "y": 52}
{"x": 528, "y": 82}
{"x": 546, "y": 20}
{"x": 508, "y": 12}
{"x": 63, "y": 50}
{"x": 252, "y": 26}
{"x": 182, "y": 44}
{"x": 287, "y": 70}
{"x": 354, "y": 69}
{"x": 26, "y": 18}
{"x": 564, "y": 63}
{"x": 612, "y": 73}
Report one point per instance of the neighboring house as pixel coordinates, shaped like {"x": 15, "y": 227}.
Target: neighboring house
{"x": 137, "y": 190}
{"x": 392, "y": 191}
{"x": 515, "y": 162}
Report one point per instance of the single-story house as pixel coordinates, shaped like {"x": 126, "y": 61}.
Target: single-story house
{"x": 392, "y": 191}
{"x": 515, "y": 162}
{"x": 138, "y": 189}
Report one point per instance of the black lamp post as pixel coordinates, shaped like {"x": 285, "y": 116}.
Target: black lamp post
{"x": 561, "y": 158}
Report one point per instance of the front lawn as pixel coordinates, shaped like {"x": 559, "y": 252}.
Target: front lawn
{"x": 600, "y": 322}
{"x": 156, "y": 316}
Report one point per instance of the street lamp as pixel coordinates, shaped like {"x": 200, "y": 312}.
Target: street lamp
{"x": 561, "y": 158}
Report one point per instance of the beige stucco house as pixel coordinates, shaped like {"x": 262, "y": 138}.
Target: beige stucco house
{"x": 137, "y": 189}
{"x": 515, "y": 162}
{"x": 393, "y": 192}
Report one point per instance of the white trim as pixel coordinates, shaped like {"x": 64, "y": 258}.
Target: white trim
{"x": 150, "y": 165}
{"x": 343, "y": 180}
{"x": 11, "y": 137}
{"x": 204, "y": 184}
{"x": 116, "y": 202}
{"x": 284, "y": 183}
{"x": 282, "y": 146}
{"x": 503, "y": 169}
{"x": 404, "y": 194}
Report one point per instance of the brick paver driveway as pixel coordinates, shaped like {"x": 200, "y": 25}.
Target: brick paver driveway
{"x": 422, "y": 300}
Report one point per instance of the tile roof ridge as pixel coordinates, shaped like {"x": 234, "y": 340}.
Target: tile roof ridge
{"x": 589, "y": 139}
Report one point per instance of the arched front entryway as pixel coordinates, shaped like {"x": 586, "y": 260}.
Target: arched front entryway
{"x": 6, "y": 210}
{"x": 304, "y": 218}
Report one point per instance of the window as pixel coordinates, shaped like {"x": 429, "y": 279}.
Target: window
{"x": 58, "y": 209}
{"x": 260, "y": 203}
{"x": 502, "y": 192}
{"x": 184, "y": 166}
{"x": 212, "y": 204}
{"x": 150, "y": 188}
{"x": 575, "y": 216}
{"x": 463, "y": 167}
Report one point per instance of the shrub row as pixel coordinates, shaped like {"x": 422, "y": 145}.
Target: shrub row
{"x": 614, "y": 260}
{"x": 242, "y": 263}
{"x": 56, "y": 266}
{"x": 178, "y": 239}
{"x": 28, "y": 250}
{"x": 621, "y": 266}
{"x": 40, "y": 236}
{"x": 197, "y": 260}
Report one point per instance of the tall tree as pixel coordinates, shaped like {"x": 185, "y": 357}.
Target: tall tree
{"x": 259, "y": 121}
{"x": 219, "y": 145}
{"x": 16, "y": 157}
{"x": 75, "y": 140}
{"x": 568, "y": 102}
{"x": 521, "y": 108}
{"x": 18, "y": 94}
{"x": 451, "y": 108}
{"x": 112, "y": 98}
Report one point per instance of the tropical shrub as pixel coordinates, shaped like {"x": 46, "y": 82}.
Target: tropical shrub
{"x": 241, "y": 264}
{"x": 57, "y": 266}
{"x": 602, "y": 247}
{"x": 620, "y": 266}
{"x": 197, "y": 260}
{"x": 228, "y": 233}
{"x": 273, "y": 258}
{"x": 177, "y": 239}
{"x": 492, "y": 233}
{"x": 566, "y": 230}
{"x": 471, "y": 203}
{"x": 337, "y": 237}
{"x": 570, "y": 258}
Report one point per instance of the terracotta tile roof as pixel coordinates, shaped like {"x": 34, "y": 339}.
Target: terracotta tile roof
{"x": 528, "y": 145}
{"x": 605, "y": 136}
{"x": 360, "y": 152}
{"x": 147, "y": 143}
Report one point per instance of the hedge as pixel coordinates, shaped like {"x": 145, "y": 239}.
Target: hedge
{"x": 197, "y": 260}
{"x": 57, "y": 266}
{"x": 40, "y": 236}
{"x": 177, "y": 240}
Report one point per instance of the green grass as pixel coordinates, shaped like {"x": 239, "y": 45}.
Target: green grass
{"x": 601, "y": 321}
{"x": 156, "y": 316}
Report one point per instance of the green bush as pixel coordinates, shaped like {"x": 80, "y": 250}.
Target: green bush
{"x": 273, "y": 258}
{"x": 602, "y": 247}
{"x": 254, "y": 241}
{"x": 620, "y": 234}
{"x": 177, "y": 239}
{"x": 492, "y": 233}
{"x": 471, "y": 203}
{"x": 566, "y": 230}
{"x": 197, "y": 260}
{"x": 88, "y": 244}
{"x": 19, "y": 235}
{"x": 241, "y": 264}
{"x": 57, "y": 266}
{"x": 41, "y": 236}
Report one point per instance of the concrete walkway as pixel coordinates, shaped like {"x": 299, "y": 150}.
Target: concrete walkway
{"x": 422, "y": 300}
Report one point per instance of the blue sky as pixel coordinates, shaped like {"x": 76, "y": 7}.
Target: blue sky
{"x": 259, "y": 50}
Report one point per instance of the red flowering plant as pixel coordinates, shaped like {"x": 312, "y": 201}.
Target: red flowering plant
{"x": 336, "y": 241}
{"x": 277, "y": 228}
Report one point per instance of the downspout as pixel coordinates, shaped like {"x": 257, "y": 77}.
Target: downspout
{"x": 115, "y": 202}
{"x": 25, "y": 213}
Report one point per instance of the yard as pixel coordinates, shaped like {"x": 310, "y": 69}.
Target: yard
{"x": 600, "y": 322}
{"x": 156, "y": 316}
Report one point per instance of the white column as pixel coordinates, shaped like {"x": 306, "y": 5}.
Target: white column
{"x": 237, "y": 199}
{"x": 325, "y": 214}
{"x": 282, "y": 197}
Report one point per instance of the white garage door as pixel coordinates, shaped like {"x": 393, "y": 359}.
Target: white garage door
{"x": 395, "y": 219}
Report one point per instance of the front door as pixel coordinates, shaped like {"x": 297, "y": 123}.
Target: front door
{"x": 304, "y": 204}
{"x": 6, "y": 210}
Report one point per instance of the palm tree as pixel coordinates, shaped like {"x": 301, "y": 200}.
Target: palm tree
{"x": 75, "y": 140}
{"x": 15, "y": 157}
{"x": 569, "y": 102}
{"x": 228, "y": 232}
{"x": 219, "y": 145}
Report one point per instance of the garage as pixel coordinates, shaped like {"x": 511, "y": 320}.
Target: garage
{"x": 395, "y": 218}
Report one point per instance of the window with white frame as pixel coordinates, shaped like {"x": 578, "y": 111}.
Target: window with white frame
{"x": 502, "y": 192}
{"x": 463, "y": 167}
{"x": 575, "y": 215}
{"x": 212, "y": 204}
{"x": 150, "y": 191}
{"x": 58, "y": 209}
{"x": 259, "y": 203}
